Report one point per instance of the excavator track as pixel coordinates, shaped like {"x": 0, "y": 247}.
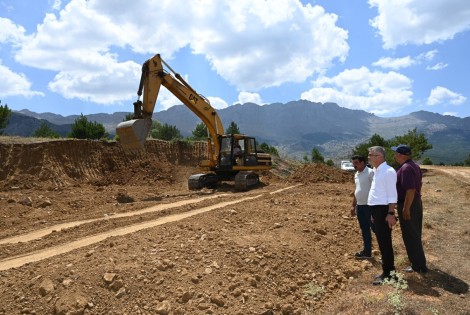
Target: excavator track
{"x": 199, "y": 181}
{"x": 246, "y": 180}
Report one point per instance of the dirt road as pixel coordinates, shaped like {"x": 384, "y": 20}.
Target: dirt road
{"x": 87, "y": 229}
{"x": 457, "y": 172}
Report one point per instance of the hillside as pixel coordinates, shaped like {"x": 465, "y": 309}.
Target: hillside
{"x": 296, "y": 127}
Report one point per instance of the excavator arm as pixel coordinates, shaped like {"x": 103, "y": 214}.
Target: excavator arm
{"x": 132, "y": 134}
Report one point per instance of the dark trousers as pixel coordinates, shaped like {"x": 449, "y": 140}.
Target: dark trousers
{"x": 411, "y": 231}
{"x": 384, "y": 238}
{"x": 365, "y": 223}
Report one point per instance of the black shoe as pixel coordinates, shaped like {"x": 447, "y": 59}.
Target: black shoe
{"x": 411, "y": 269}
{"x": 362, "y": 255}
{"x": 422, "y": 270}
{"x": 379, "y": 279}
{"x": 408, "y": 269}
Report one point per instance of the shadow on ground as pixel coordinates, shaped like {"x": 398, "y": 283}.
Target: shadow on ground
{"x": 426, "y": 284}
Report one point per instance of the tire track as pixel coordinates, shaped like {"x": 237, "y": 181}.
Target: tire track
{"x": 27, "y": 237}
{"x": 20, "y": 260}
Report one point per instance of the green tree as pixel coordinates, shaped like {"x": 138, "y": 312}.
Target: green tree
{"x": 83, "y": 129}
{"x": 417, "y": 142}
{"x": 330, "y": 163}
{"x": 45, "y": 131}
{"x": 5, "y": 114}
{"x": 427, "y": 161}
{"x": 375, "y": 140}
{"x": 166, "y": 132}
{"x": 268, "y": 149}
{"x": 317, "y": 157}
{"x": 232, "y": 128}
{"x": 156, "y": 125}
{"x": 467, "y": 161}
{"x": 128, "y": 117}
{"x": 200, "y": 132}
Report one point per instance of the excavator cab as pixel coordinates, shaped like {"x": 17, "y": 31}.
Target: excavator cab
{"x": 232, "y": 150}
{"x": 239, "y": 152}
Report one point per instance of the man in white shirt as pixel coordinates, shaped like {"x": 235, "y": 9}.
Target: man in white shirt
{"x": 363, "y": 179}
{"x": 382, "y": 200}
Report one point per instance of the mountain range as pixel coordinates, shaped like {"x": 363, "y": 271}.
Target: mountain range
{"x": 294, "y": 128}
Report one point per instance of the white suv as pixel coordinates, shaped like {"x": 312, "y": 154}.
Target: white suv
{"x": 347, "y": 166}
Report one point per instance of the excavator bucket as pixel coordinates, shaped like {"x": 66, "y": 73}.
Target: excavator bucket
{"x": 132, "y": 133}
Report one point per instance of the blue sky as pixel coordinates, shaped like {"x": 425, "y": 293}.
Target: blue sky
{"x": 385, "y": 57}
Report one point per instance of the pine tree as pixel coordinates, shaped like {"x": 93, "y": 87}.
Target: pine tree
{"x": 200, "y": 132}
{"x": 45, "y": 131}
{"x": 5, "y": 114}
{"x": 317, "y": 157}
{"x": 83, "y": 129}
{"x": 232, "y": 128}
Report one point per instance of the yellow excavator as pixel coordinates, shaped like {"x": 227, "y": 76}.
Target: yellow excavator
{"x": 231, "y": 157}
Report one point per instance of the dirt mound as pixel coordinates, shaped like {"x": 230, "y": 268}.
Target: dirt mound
{"x": 60, "y": 163}
{"x": 314, "y": 173}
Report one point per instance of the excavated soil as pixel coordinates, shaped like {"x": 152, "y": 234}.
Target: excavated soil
{"x": 87, "y": 228}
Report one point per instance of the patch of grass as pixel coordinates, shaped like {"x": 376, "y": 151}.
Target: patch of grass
{"x": 369, "y": 300}
{"x": 314, "y": 290}
{"x": 395, "y": 298}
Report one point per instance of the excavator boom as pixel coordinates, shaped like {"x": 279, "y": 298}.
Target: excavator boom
{"x": 133, "y": 133}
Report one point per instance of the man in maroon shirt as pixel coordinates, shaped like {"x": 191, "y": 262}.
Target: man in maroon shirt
{"x": 410, "y": 208}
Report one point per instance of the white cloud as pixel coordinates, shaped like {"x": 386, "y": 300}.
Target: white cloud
{"x": 437, "y": 66}
{"x": 394, "y": 63}
{"x": 405, "y": 62}
{"x": 247, "y": 97}
{"x": 376, "y": 92}
{"x": 217, "y": 102}
{"x": 14, "y": 84}
{"x": 450, "y": 114}
{"x": 167, "y": 100}
{"x": 112, "y": 84}
{"x": 252, "y": 45}
{"x": 303, "y": 41}
{"x": 10, "y": 32}
{"x": 442, "y": 95}
{"x": 429, "y": 55}
{"x": 56, "y": 5}
{"x": 419, "y": 22}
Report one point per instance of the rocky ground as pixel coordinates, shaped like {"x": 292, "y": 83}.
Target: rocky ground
{"x": 86, "y": 228}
